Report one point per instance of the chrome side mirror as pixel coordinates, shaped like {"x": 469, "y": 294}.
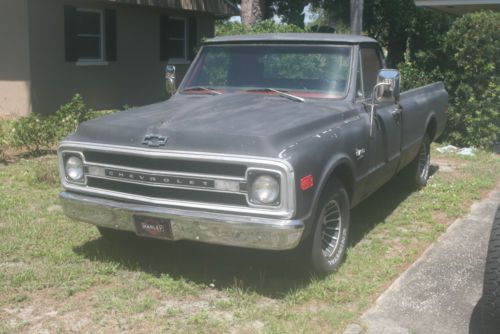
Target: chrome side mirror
{"x": 386, "y": 90}
{"x": 170, "y": 79}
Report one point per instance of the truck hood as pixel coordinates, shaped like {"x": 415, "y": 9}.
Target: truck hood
{"x": 233, "y": 123}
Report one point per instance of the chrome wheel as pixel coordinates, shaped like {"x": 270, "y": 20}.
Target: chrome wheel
{"x": 331, "y": 224}
{"x": 424, "y": 161}
{"x": 328, "y": 243}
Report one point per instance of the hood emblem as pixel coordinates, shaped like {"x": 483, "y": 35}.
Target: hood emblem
{"x": 154, "y": 140}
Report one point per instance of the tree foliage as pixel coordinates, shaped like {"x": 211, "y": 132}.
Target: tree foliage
{"x": 473, "y": 78}
{"x": 289, "y": 11}
{"x": 466, "y": 58}
{"x": 266, "y": 26}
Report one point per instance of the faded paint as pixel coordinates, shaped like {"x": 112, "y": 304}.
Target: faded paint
{"x": 14, "y": 59}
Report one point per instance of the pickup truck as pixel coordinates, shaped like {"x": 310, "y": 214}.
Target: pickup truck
{"x": 268, "y": 142}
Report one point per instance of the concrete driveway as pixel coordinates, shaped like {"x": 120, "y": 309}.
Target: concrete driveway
{"x": 439, "y": 293}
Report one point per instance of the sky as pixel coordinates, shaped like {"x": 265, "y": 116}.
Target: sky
{"x": 307, "y": 10}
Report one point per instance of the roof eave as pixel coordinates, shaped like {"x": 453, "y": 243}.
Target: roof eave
{"x": 219, "y": 8}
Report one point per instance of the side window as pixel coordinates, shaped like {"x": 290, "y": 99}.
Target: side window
{"x": 371, "y": 65}
{"x": 359, "y": 81}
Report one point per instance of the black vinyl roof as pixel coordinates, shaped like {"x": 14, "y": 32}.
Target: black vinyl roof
{"x": 292, "y": 37}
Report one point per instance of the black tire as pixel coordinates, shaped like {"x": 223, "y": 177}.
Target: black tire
{"x": 329, "y": 237}
{"x": 114, "y": 235}
{"x": 416, "y": 174}
{"x": 490, "y": 302}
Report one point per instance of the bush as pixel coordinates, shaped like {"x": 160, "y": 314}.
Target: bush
{"x": 67, "y": 118}
{"x": 471, "y": 75}
{"x": 413, "y": 76}
{"x": 32, "y": 132}
{"x": 261, "y": 27}
{"x": 37, "y": 133}
{"x": 473, "y": 79}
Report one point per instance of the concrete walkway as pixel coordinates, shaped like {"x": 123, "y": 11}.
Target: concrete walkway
{"x": 439, "y": 293}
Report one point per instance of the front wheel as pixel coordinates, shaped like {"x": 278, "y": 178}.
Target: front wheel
{"x": 329, "y": 241}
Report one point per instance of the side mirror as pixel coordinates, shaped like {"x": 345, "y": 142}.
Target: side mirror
{"x": 387, "y": 88}
{"x": 170, "y": 79}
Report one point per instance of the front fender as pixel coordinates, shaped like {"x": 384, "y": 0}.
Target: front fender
{"x": 336, "y": 163}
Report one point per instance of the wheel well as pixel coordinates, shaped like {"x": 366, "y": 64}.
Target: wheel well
{"x": 432, "y": 128}
{"x": 344, "y": 173}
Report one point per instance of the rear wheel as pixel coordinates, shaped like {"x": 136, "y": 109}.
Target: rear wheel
{"x": 416, "y": 173}
{"x": 490, "y": 303}
{"x": 329, "y": 239}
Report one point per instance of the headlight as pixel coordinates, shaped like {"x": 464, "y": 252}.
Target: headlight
{"x": 74, "y": 168}
{"x": 265, "y": 190}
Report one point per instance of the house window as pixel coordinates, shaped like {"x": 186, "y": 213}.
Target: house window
{"x": 89, "y": 35}
{"x": 178, "y": 38}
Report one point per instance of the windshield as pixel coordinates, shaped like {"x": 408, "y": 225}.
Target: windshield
{"x": 302, "y": 70}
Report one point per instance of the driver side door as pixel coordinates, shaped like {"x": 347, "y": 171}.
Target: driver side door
{"x": 385, "y": 142}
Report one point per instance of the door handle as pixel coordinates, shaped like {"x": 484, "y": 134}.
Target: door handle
{"x": 396, "y": 113}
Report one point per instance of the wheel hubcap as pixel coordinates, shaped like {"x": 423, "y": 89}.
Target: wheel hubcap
{"x": 331, "y": 223}
{"x": 423, "y": 162}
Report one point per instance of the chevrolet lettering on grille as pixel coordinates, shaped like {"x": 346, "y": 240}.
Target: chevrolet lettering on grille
{"x": 160, "y": 179}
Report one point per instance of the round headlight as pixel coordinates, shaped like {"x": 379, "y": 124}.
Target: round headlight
{"x": 265, "y": 189}
{"x": 74, "y": 168}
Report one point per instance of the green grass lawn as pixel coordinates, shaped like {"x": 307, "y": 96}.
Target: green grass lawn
{"x": 61, "y": 276}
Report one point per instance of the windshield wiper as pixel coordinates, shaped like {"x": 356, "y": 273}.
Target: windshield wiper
{"x": 280, "y": 93}
{"x": 206, "y": 89}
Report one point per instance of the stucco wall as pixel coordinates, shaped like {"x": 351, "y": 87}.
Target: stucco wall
{"x": 136, "y": 78}
{"x": 14, "y": 59}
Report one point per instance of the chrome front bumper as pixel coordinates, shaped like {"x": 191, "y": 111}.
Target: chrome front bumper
{"x": 215, "y": 228}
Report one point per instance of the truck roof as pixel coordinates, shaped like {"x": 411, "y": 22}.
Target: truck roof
{"x": 292, "y": 37}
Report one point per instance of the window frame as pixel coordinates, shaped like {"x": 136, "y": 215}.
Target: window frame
{"x": 188, "y": 77}
{"x": 360, "y": 68}
{"x": 102, "y": 45}
{"x": 175, "y": 61}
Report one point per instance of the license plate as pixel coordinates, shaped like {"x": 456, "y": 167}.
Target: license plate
{"x": 153, "y": 227}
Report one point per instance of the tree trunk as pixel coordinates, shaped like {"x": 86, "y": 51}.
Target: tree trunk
{"x": 251, "y": 11}
{"x": 356, "y": 16}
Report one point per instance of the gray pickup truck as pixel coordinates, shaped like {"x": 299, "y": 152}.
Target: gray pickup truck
{"x": 268, "y": 143}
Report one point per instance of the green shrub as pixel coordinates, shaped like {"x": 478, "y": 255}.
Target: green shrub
{"x": 413, "y": 76}
{"x": 472, "y": 78}
{"x": 37, "y": 133}
{"x": 5, "y": 131}
{"x": 69, "y": 115}
{"x": 261, "y": 27}
{"x": 32, "y": 132}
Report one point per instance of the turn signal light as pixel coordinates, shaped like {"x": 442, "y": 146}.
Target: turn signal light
{"x": 306, "y": 182}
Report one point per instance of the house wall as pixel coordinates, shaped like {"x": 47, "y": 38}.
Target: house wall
{"x": 136, "y": 78}
{"x": 14, "y": 59}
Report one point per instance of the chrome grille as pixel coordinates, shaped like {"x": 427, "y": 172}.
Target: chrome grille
{"x": 162, "y": 164}
{"x": 214, "y": 182}
{"x": 168, "y": 193}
